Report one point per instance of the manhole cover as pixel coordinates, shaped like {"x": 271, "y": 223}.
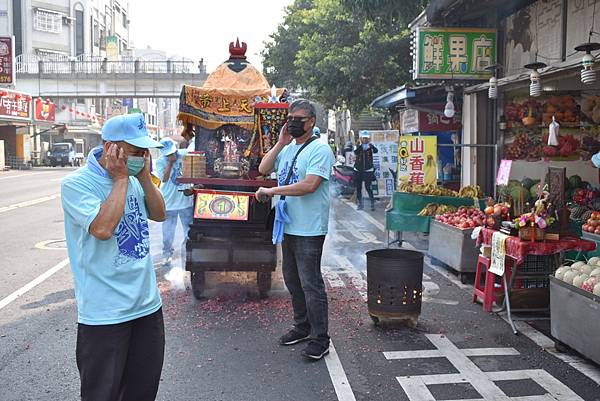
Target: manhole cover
{"x": 52, "y": 245}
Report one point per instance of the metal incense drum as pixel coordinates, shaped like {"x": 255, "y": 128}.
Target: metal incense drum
{"x": 395, "y": 284}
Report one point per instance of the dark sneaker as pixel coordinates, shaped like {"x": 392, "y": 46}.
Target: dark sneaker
{"x": 315, "y": 351}
{"x": 360, "y": 207}
{"x": 293, "y": 337}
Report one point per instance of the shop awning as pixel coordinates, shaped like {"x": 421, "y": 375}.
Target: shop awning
{"x": 432, "y": 93}
{"x": 445, "y": 12}
{"x": 392, "y": 97}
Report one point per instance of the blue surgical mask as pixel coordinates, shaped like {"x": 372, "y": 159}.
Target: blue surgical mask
{"x": 135, "y": 164}
{"x": 365, "y": 146}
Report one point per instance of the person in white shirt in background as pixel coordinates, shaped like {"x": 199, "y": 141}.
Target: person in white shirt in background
{"x": 178, "y": 205}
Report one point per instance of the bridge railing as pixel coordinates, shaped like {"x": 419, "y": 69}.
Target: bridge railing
{"x": 87, "y": 64}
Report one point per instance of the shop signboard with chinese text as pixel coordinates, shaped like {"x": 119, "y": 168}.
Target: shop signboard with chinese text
{"x": 385, "y": 161}
{"x": 417, "y": 160}
{"x": 410, "y": 121}
{"x": 45, "y": 111}
{"x": 7, "y": 60}
{"x": 454, "y": 53}
{"x": 15, "y": 106}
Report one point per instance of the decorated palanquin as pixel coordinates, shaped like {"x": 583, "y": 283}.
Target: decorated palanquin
{"x": 236, "y": 116}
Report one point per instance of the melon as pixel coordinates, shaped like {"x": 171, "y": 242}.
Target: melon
{"x": 595, "y": 272}
{"x": 560, "y": 272}
{"x": 586, "y": 269}
{"x": 597, "y": 289}
{"x": 570, "y": 275}
{"x": 579, "y": 279}
{"x": 577, "y": 265}
{"x": 593, "y": 261}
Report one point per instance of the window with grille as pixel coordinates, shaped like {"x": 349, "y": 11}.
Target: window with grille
{"x": 47, "y": 22}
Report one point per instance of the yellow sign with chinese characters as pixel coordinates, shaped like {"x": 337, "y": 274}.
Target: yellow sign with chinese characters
{"x": 221, "y": 206}
{"x": 417, "y": 160}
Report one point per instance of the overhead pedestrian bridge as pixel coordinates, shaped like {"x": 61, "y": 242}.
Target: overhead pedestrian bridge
{"x": 96, "y": 77}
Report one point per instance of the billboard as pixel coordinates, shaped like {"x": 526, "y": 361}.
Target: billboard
{"x": 15, "y": 105}
{"x": 454, "y": 53}
{"x": 7, "y": 60}
{"x": 45, "y": 111}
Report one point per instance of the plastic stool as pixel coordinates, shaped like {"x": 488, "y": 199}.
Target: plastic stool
{"x": 489, "y": 290}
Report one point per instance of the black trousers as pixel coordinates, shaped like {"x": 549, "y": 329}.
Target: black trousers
{"x": 121, "y": 362}
{"x": 301, "y": 267}
{"x": 367, "y": 178}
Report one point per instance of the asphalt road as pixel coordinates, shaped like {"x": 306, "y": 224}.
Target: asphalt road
{"x": 225, "y": 348}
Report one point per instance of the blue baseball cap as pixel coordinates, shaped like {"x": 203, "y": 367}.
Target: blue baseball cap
{"x": 364, "y": 134}
{"x": 169, "y": 147}
{"x": 130, "y": 128}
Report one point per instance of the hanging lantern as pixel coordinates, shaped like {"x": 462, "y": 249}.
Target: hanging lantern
{"x": 18, "y": 96}
{"x": 588, "y": 75}
{"x": 39, "y": 100}
{"x": 493, "y": 89}
{"x": 63, "y": 107}
{"x": 535, "y": 87}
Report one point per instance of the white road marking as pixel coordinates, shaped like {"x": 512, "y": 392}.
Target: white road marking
{"x": 338, "y": 375}
{"x": 43, "y": 245}
{"x": 447, "y": 275}
{"x": 28, "y": 203}
{"x": 25, "y": 175}
{"x": 583, "y": 366}
{"x": 415, "y": 387}
{"x": 367, "y": 216}
{"x": 40, "y": 279}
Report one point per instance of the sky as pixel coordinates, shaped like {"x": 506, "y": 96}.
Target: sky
{"x": 203, "y": 28}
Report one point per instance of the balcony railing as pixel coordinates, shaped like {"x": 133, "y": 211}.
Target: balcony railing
{"x": 86, "y": 64}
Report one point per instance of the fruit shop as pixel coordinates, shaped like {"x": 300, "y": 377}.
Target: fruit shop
{"x": 539, "y": 252}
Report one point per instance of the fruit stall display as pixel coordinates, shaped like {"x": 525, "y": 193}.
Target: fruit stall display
{"x": 528, "y": 119}
{"x": 575, "y": 307}
{"x": 414, "y": 206}
{"x": 464, "y": 218}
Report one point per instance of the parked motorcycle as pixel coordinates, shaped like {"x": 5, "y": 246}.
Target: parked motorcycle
{"x": 343, "y": 177}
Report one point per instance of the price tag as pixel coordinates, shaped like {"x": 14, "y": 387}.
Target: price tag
{"x": 503, "y": 172}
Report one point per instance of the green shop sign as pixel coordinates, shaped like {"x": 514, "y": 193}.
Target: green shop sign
{"x": 454, "y": 53}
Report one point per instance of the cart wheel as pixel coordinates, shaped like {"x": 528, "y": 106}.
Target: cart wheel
{"x": 561, "y": 347}
{"x": 464, "y": 278}
{"x": 263, "y": 280}
{"x": 375, "y": 320}
{"x": 197, "y": 279}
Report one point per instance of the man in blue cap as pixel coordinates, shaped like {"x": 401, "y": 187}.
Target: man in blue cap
{"x": 107, "y": 204}
{"x": 178, "y": 205}
{"x": 364, "y": 171}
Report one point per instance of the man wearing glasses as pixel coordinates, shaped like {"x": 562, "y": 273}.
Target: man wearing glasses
{"x": 303, "y": 167}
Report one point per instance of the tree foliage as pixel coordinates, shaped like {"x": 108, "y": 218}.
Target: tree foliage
{"x": 343, "y": 53}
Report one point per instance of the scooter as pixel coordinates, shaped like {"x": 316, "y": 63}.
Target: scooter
{"x": 343, "y": 177}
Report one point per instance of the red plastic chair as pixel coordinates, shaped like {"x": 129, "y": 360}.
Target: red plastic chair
{"x": 489, "y": 290}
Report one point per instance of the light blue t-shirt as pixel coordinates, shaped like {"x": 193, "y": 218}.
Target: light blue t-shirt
{"x": 309, "y": 214}
{"x": 114, "y": 279}
{"x": 174, "y": 199}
